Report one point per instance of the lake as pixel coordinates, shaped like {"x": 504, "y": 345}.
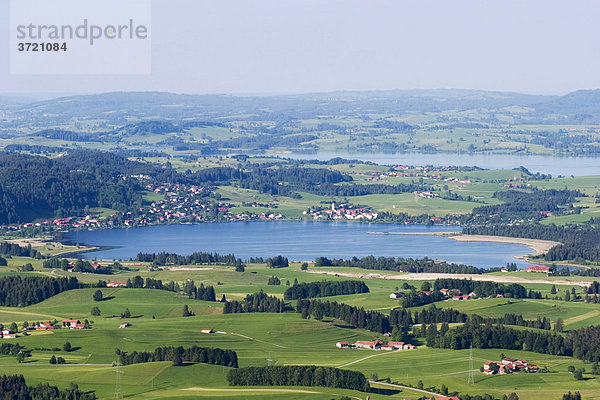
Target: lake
{"x": 299, "y": 241}
{"x": 566, "y": 166}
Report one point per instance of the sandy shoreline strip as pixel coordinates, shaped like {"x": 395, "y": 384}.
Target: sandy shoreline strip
{"x": 537, "y": 245}
{"x": 427, "y": 276}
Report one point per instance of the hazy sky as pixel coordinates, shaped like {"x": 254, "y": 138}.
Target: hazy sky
{"x": 287, "y": 46}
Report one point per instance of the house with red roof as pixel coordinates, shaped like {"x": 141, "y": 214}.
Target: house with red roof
{"x": 367, "y": 344}
{"x": 44, "y": 326}
{"x": 538, "y": 268}
{"x": 70, "y": 323}
{"x": 116, "y": 284}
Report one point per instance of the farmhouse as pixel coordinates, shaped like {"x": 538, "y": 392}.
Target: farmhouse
{"x": 125, "y": 325}
{"x": 508, "y": 365}
{"x": 378, "y": 345}
{"x": 460, "y": 298}
{"x": 73, "y": 324}
{"x": 116, "y": 284}
{"x": 366, "y": 344}
{"x": 207, "y": 330}
{"x": 342, "y": 345}
{"x": 44, "y": 326}
{"x": 538, "y": 268}
{"x": 396, "y": 295}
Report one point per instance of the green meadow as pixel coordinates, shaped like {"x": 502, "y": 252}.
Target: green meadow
{"x": 280, "y": 339}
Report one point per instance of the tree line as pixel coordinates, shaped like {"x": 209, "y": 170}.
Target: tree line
{"x": 400, "y": 264}
{"x": 178, "y": 355}
{"x": 15, "y": 387}
{"x": 323, "y": 289}
{"x": 197, "y": 257}
{"x": 583, "y": 343}
{"x": 486, "y": 288}
{"x": 257, "y": 302}
{"x": 298, "y": 375}
{"x": 519, "y": 205}
{"x": 13, "y": 249}
{"x": 17, "y": 291}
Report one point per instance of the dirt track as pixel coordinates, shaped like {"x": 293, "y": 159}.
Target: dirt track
{"x": 434, "y": 276}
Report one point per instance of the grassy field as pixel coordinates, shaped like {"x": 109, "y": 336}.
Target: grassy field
{"x": 282, "y": 338}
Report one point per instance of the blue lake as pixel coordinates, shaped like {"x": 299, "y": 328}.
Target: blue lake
{"x": 299, "y": 241}
{"x": 565, "y": 166}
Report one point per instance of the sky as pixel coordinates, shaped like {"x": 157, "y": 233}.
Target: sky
{"x": 299, "y": 46}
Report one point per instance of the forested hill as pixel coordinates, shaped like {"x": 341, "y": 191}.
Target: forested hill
{"x": 38, "y": 187}
{"x": 34, "y": 187}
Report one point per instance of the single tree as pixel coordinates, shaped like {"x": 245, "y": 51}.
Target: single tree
{"x": 53, "y": 359}
{"x": 67, "y": 347}
{"x": 553, "y": 289}
{"x": 126, "y": 313}
{"x": 98, "y": 295}
{"x": 60, "y": 360}
{"x": 95, "y": 311}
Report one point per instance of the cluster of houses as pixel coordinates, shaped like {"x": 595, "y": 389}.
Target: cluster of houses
{"x": 183, "y": 203}
{"x": 375, "y": 345}
{"x": 538, "y": 268}
{"x": 43, "y": 326}
{"x": 426, "y": 194}
{"x": 508, "y": 366}
{"x": 451, "y": 294}
{"x": 343, "y": 211}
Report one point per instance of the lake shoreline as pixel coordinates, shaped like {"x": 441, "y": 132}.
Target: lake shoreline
{"x": 537, "y": 245}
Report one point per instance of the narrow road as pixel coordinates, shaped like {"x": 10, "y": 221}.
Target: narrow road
{"x": 364, "y": 358}
{"x": 394, "y": 386}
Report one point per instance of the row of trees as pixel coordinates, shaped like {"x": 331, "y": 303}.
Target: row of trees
{"x": 13, "y": 249}
{"x": 400, "y": 264}
{"x": 298, "y": 375}
{"x": 324, "y": 288}
{"x": 14, "y": 387}
{"x": 488, "y": 336}
{"x": 257, "y": 302}
{"x": 206, "y": 293}
{"x": 520, "y": 205}
{"x": 178, "y": 355}
{"x": 486, "y": 288}
{"x": 197, "y": 257}
{"x": 17, "y": 291}
{"x": 583, "y": 343}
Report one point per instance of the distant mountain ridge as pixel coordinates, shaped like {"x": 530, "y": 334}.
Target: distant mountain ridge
{"x": 582, "y": 106}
